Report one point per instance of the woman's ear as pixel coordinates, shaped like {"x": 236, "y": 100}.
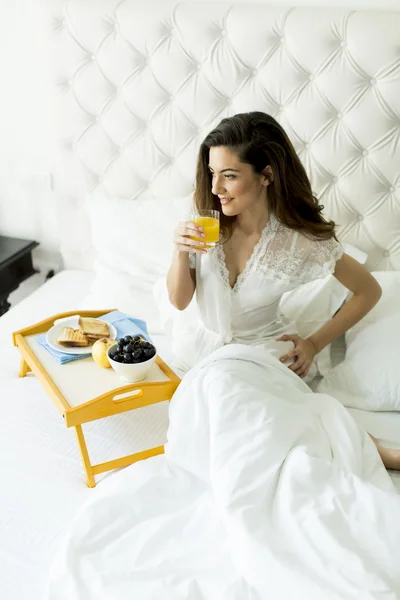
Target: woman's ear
{"x": 268, "y": 175}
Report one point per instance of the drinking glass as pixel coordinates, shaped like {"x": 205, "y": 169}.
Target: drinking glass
{"x": 209, "y": 220}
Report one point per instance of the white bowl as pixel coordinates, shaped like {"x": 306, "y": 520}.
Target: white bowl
{"x": 132, "y": 372}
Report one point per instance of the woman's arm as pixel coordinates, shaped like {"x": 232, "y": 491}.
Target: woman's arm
{"x": 181, "y": 281}
{"x": 366, "y": 293}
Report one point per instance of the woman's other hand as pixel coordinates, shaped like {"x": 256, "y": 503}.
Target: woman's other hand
{"x": 182, "y": 237}
{"x": 302, "y": 354}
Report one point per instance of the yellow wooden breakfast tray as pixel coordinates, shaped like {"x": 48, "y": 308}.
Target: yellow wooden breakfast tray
{"x": 82, "y": 391}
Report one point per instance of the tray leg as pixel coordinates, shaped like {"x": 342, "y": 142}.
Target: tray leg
{"x": 85, "y": 457}
{"x": 24, "y": 368}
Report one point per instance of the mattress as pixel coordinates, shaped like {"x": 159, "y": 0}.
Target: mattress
{"x": 41, "y": 473}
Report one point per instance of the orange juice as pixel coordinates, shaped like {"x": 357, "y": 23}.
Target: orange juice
{"x": 211, "y": 229}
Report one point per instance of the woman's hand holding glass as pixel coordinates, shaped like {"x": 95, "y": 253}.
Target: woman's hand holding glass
{"x": 183, "y": 234}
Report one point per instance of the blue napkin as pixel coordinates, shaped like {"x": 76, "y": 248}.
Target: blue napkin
{"x": 123, "y": 323}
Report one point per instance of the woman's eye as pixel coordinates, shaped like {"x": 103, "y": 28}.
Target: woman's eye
{"x": 227, "y": 176}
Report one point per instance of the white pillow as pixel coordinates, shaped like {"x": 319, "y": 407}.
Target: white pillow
{"x": 114, "y": 289}
{"x": 132, "y": 240}
{"x": 369, "y": 377}
{"x": 135, "y": 236}
{"x": 312, "y": 304}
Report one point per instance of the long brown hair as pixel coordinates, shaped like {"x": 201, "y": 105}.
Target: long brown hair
{"x": 257, "y": 139}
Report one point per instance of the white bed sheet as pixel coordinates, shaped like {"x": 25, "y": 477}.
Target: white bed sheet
{"x": 41, "y": 473}
{"x": 42, "y": 481}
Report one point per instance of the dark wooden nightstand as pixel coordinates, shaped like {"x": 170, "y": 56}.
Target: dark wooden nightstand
{"x": 15, "y": 266}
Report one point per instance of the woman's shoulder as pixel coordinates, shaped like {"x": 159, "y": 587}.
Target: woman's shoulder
{"x": 302, "y": 240}
{"x": 299, "y": 255}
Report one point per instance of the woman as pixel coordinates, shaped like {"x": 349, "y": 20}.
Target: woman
{"x": 266, "y": 490}
{"x": 274, "y": 238}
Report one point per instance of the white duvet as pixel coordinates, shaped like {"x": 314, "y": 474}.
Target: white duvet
{"x": 267, "y": 491}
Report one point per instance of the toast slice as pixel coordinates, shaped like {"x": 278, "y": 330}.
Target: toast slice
{"x": 93, "y": 328}
{"x": 93, "y": 339}
{"x": 72, "y": 337}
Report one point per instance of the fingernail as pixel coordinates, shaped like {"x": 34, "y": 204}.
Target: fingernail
{"x": 203, "y": 235}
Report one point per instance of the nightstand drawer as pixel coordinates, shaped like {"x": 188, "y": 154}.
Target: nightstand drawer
{"x": 15, "y": 266}
{"x": 15, "y": 273}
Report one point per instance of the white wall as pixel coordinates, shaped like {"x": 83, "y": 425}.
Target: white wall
{"x": 27, "y": 205}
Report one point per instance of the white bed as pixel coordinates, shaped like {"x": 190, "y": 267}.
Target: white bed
{"x": 39, "y": 455}
{"x": 42, "y": 477}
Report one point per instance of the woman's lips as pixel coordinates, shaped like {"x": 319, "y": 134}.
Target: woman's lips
{"x": 225, "y": 200}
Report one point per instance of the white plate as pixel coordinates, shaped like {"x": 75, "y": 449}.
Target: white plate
{"x": 53, "y": 333}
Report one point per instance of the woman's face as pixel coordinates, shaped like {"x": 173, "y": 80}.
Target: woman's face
{"x": 235, "y": 183}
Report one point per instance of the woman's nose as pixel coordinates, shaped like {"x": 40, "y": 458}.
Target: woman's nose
{"x": 217, "y": 187}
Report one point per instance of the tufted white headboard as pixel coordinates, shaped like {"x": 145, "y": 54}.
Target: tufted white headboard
{"x": 139, "y": 85}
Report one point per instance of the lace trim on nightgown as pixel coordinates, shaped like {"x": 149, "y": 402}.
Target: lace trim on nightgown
{"x": 327, "y": 253}
{"x": 295, "y": 258}
{"x": 285, "y": 255}
{"x": 219, "y": 253}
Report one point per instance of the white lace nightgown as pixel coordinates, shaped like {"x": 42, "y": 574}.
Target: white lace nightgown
{"x": 248, "y": 313}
